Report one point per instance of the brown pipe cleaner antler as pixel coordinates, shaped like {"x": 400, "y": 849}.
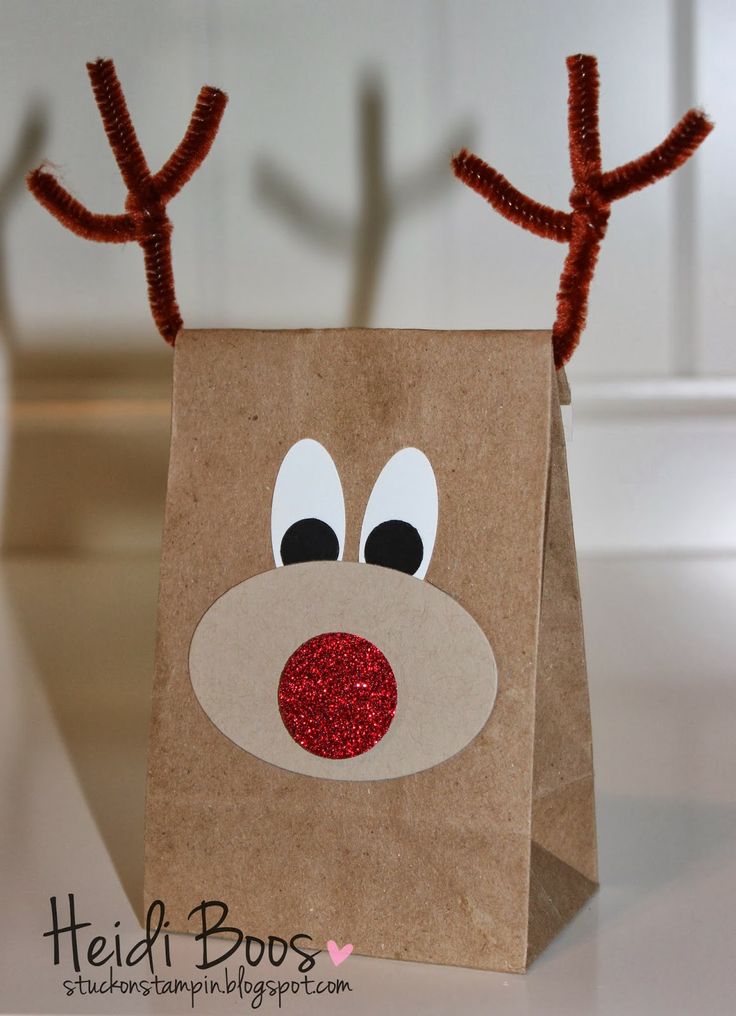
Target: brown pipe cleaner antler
{"x": 145, "y": 219}
{"x": 593, "y": 191}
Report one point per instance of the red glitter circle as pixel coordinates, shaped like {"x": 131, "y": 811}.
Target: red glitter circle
{"x": 337, "y": 695}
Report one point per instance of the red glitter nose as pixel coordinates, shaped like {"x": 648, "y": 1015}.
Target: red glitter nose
{"x": 337, "y": 695}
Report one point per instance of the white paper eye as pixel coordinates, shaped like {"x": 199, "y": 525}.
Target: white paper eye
{"x": 400, "y": 522}
{"x": 308, "y": 508}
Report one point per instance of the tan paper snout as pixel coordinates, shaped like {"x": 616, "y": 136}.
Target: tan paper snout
{"x": 443, "y": 663}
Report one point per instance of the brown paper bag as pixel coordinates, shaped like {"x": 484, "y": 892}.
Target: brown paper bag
{"x": 466, "y": 835}
{"x": 370, "y": 713}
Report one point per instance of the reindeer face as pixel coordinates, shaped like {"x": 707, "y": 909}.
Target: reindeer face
{"x": 341, "y": 669}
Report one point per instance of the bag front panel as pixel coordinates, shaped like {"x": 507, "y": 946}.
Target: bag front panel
{"x": 427, "y": 865}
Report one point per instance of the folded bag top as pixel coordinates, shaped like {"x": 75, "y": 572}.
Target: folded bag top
{"x": 370, "y": 711}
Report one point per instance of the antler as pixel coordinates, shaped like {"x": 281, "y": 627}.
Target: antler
{"x": 145, "y": 219}
{"x": 593, "y": 192}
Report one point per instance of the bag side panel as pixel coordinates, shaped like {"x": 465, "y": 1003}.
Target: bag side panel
{"x": 564, "y": 855}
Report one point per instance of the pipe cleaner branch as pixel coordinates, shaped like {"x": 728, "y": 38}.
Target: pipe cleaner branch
{"x": 118, "y": 126}
{"x": 71, "y": 213}
{"x": 194, "y": 146}
{"x": 511, "y": 203}
{"x": 582, "y": 118}
{"x": 145, "y": 220}
{"x": 676, "y": 149}
{"x": 593, "y": 192}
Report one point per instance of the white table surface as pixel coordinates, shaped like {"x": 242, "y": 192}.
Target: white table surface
{"x": 76, "y": 645}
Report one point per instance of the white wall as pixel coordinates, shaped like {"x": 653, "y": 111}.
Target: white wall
{"x": 484, "y": 72}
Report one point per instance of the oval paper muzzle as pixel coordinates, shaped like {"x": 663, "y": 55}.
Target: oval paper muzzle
{"x": 443, "y": 664}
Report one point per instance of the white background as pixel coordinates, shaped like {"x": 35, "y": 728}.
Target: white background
{"x": 487, "y": 73}
{"x": 268, "y": 233}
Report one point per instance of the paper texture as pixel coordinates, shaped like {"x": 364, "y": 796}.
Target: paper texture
{"x": 436, "y": 866}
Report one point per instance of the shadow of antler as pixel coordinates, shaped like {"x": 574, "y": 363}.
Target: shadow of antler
{"x": 28, "y": 145}
{"x": 364, "y": 237}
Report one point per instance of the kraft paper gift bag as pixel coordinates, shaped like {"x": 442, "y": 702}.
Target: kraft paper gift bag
{"x": 370, "y": 711}
{"x": 466, "y": 834}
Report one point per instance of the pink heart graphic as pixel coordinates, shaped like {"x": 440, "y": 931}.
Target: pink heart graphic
{"x": 339, "y": 956}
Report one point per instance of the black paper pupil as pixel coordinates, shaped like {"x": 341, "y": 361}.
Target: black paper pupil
{"x": 395, "y": 544}
{"x": 309, "y": 540}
